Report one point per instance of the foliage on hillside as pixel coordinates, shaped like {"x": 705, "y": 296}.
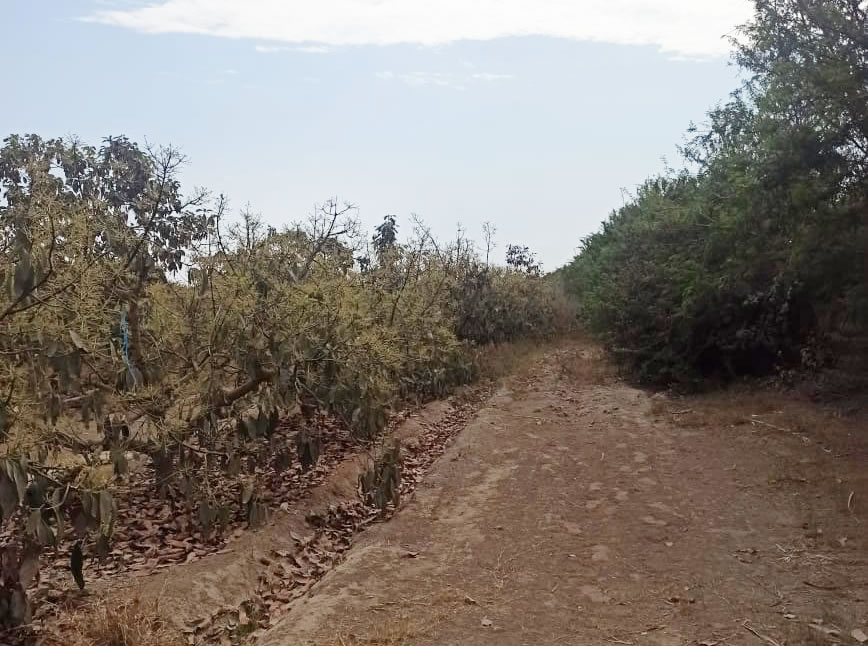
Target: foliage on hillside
{"x": 757, "y": 259}
{"x": 134, "y": 321}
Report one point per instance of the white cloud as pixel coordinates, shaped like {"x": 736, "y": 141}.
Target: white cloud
{"x": 272, "y": 49}
{"x": 487, "y": 76}
{"x": 440, "y": 79}
{"x": 421, "y": 79}
{"x": 690, "y": 28}
{"x": 314, "y": 49}
{"x": 305, "y": 49}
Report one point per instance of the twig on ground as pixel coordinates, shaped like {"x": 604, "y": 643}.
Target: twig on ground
{"x": 746, "y": 625}
{"x": 532, "y": 417}
{"x": 754, "y": 420}
{"x": 818, "y": 586}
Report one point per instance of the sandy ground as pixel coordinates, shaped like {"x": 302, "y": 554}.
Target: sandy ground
{"x": 575, "y": 509}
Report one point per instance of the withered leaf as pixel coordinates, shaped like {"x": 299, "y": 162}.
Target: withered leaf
{"x": 8, "y": 496}
{"x": 19, "y": 607}
{"x": 76, "y": 565}
{"x": 106, "y": 508}
{"x": 246, "y": 493}
{"x": 102, "y": 547}
{"x": 29, "y": 566}
{"x": 76, "y": 340}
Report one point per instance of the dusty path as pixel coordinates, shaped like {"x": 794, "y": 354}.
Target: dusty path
{"x": 577, "y": 510}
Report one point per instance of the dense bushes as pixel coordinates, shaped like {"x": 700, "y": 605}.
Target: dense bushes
{"x": 497, "y": 304}
{"x": 756, "y": 259}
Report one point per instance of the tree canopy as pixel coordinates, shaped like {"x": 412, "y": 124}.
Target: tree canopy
{"x": 136, "y": 322}
{"x": 754, "y": 258}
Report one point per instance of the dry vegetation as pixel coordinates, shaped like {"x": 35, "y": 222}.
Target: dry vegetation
{"x": 108, "y": 623}
{"x": 167, "y": 378}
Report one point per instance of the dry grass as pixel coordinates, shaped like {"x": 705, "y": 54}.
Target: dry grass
{"x": 823, "y": 627}
{"x": 586, "y": 365}
{"x": 727, "y": 408}
{"x": 132, "y": 623}
{"x": 506, "y": 359}
{"x": 405, "y": 621}
{"x": 394, "y": 632}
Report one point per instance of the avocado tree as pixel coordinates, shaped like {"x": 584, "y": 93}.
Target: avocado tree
{"x": 84, "y": 232}
{"x": 135, "y": 322}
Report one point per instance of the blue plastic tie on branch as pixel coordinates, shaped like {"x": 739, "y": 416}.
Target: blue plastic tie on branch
{"x": 125, "y": 335}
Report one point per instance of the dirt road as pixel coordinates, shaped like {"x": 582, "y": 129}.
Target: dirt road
{"x": 577, "y": 510}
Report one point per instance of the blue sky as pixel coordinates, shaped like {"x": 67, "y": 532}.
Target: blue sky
{"x": 534, "y": 120}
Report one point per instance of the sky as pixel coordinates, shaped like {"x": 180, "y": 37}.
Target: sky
{"x": 536, "y": 115}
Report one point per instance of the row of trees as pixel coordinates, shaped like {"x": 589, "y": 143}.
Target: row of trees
{"x": 756, "y": 258}
{"x": 133, "y": 318}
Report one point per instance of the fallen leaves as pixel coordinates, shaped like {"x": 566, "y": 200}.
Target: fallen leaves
{"x": 289, "y": 574}
{"x": 154, "y": 533}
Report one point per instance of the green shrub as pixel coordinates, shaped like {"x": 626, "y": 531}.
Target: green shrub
{"x": 745, "y": 264}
